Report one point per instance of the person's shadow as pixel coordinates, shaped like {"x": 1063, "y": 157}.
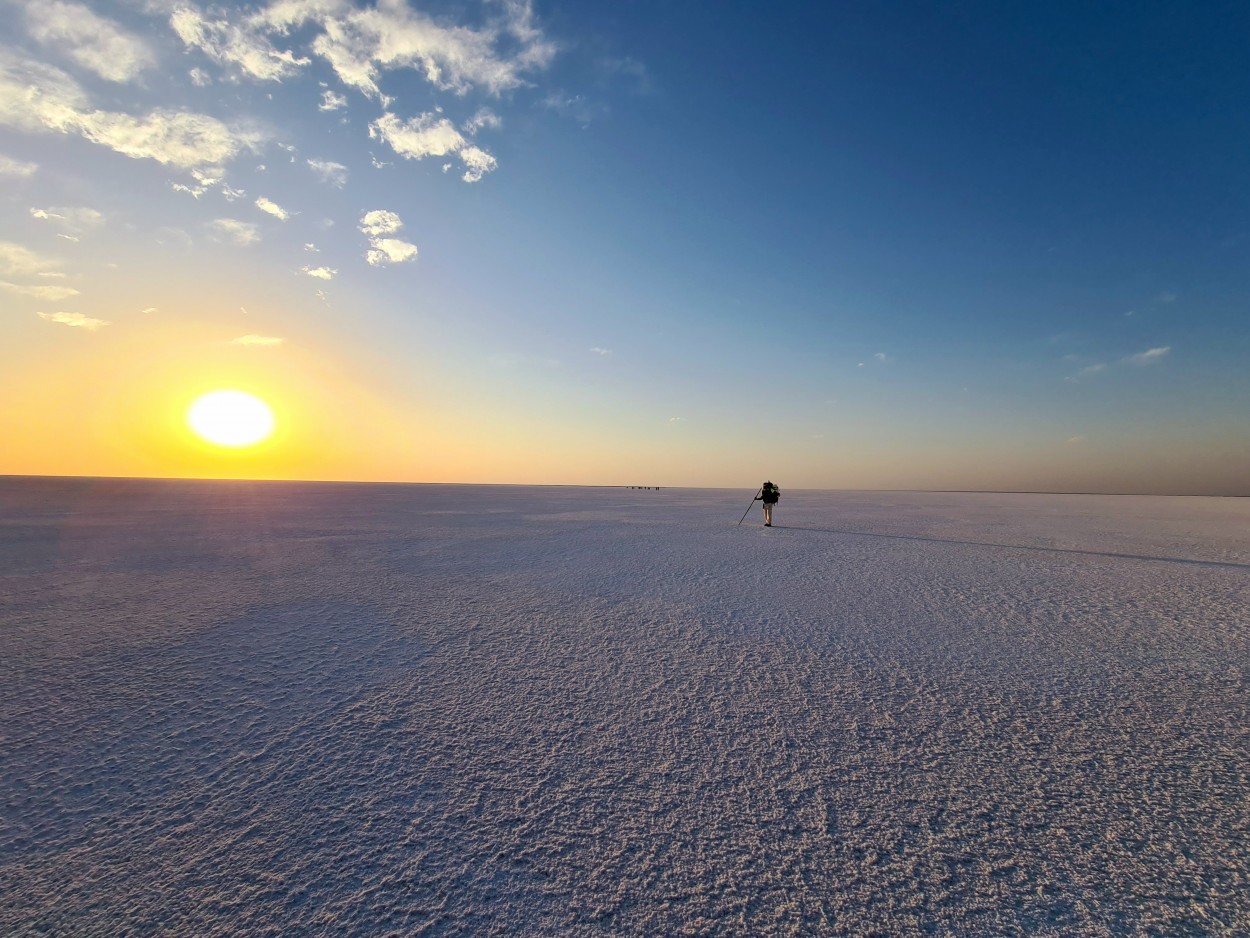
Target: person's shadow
{"x": 1050, "y": 550}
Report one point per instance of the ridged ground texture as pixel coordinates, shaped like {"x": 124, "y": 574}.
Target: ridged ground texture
{"x": 276, "y": 709}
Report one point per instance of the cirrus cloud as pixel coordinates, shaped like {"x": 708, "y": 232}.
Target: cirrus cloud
{"x": 241, "y": 233}
{"x": 35, "y": 97}
{"x": 359, "y": 43}
{"x": 77, "y": 320}
{"x": 234, "y": 44}
{"x": 16, "y": 260}
{"x": 38, "y": 292}
{"x": 18, "y": 169}
{"x": 329, "y": 172}
{"x": 430, "y": 135}
{"x": 1149, "y": 357}
{"x": 272, "y": 208}
{"x": 93, "y": 42}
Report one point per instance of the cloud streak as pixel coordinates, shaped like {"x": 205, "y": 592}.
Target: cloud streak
{"x": 334, "y": 174}
{"x": 272, "y": 208}
{"x": 35, "y": 97}
{"x": 361, "y": 42}
{"x": 76, "y": 320}
{"x": 37, "y": 292}
{"x": 1149, "y": 357}
{"x": 17, "y": 169}
{"x": 241, "y": 233}
{"x": 234, "y": 45}
{"x": 16, "y": 260}
{"x": 430, "y": 135}
{"x": 71, "y": 219}
{"x": 93, "y": 42}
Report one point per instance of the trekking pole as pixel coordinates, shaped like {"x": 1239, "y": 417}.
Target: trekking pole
{"x": 750, "y": 506}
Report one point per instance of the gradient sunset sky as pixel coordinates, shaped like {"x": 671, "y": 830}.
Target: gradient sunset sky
{"x": 841, "y": 245}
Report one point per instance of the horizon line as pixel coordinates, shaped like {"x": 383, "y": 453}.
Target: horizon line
{"x": 616, "y": 485}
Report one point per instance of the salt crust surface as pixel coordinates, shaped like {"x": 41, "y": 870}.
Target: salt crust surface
{"x": 273, "y": 709}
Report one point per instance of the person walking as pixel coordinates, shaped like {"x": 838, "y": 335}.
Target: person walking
{"x": 768, "y": 496}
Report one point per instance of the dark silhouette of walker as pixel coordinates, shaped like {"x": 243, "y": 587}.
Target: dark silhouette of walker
{"x": 767, "y": 496}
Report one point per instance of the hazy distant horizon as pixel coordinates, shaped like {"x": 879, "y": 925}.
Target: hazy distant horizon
{"x": 625, "y": 485}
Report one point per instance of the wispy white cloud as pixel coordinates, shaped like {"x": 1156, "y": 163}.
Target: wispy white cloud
{"x": 272, "y": 208}
{"x": 333, "y": 173}
{"x": 200, "y": 78}
{"x": 175, "y": 138}
{"x": 261, "y": 340}
{"x": 18, "y": 169}
{"x": 629, "y": 72}
{"x": 321, "y": 273}
{"x": 331, "y": 101}
{"x": 431, "y": 135}
{"x": 882, "y": 358}
{"x": 390, "y": 251}
{"x": 207, "y": 178}
{"x": 603, "y": 352}
{"x": 575, "y": 106}
{"x": 359, "y": 43}
{"x": 150, "y": 309}
{"x": 37, "y": 292}
{"x": 482, "y": 119}
{"x": 241, "y": 233}
{"x": 173, "y": 237}
{"x": 235, "y": 44}
{"x": 312, "y": 248}
{"x": 71, "y": 219}
{"x": 16, "y": 260}
{"x": 1149, "y": 357}
{"x": 90, "y": 40}
{"x": 35, "y": 97}
{"x": 77, "y": 320}
{"x": 477, "y": 163}
{"x": 1140, "y": 360}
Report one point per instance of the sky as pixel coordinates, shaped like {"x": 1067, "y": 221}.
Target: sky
{"x": 962, "y": 245}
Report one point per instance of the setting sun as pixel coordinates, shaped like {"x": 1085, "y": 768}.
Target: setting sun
{"x": 230, "y": 418}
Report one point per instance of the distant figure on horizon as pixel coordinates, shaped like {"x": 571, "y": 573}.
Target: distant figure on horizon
{"x": 769, "y": 494}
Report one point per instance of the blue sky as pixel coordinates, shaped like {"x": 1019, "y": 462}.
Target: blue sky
{"x": 963, "y": 245}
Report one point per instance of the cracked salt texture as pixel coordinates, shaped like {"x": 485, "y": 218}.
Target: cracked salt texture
{"x": 271, "y": 708}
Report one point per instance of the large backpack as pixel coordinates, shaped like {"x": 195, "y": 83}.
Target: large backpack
{"x": 772, "y": 493}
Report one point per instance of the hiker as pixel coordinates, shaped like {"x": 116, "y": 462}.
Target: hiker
{"x": 769, "y": 494}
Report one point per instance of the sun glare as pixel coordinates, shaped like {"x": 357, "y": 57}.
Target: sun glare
{"x": 230, "y": 418}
